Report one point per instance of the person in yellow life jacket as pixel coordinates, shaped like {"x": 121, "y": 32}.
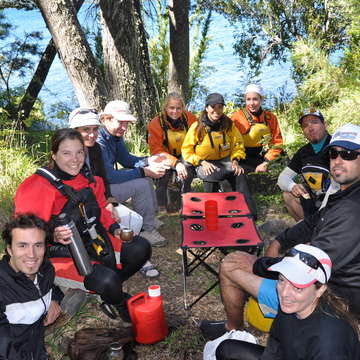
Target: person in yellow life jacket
{"x": 257, "y": 126}
{"x": 166, "y": 133}
{"x": 215, "y": 147}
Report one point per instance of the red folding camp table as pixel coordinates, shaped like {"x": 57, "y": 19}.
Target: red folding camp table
{"x": 214, "y": 222}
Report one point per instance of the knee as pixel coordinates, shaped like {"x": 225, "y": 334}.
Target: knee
{"x": 237, "y": 260}
{"x": 105, "y": 282}
{"x": 288, "y": 197}
{"x": 138, "y": 250}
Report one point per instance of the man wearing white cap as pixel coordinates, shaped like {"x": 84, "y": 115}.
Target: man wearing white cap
{"x": 335, "y": 229}
{"x": 311, "y": 323}
{"x": 133, "y": 180}
{"x": 312, "y": 163}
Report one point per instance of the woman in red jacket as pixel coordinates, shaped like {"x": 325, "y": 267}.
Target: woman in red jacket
{"x": 166, "y": 133}
{"x": 67, "y": 186}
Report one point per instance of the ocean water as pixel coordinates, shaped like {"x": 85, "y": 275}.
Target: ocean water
{"x": 225, "y": 76}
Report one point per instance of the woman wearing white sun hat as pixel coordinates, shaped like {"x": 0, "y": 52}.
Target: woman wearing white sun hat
{"x": 312, "y": 322}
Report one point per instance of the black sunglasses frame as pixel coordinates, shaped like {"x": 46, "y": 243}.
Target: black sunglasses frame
{"x": 307, "y": 259}
{"x": 347, "y": 155}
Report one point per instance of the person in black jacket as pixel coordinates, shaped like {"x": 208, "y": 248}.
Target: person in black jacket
{"x": 312, "y": 322}
{"x": 312, "y": 164}
{"x": 28, "y": 299}
{"x": 335, "y": 229}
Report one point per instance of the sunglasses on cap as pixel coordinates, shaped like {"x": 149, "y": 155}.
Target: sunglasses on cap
{"x": 307, "y": 259}
{"x": 348, "y": 155}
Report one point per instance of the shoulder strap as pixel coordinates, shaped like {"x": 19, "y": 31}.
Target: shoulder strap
{"x": 184, "y": 119}
{"x": 248, "y": 116}
{"x": 65, "y": 190}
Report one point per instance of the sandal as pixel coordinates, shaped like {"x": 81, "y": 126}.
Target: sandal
{"x": 149, "y": 270}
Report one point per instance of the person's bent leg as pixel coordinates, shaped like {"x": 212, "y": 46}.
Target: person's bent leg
{"x": 236, "y": 282}
{"x": 186, "y": 184}
{"x": 242, "y": 186}
{"x": 238, "y": 350}
{"x": 143, "y": 197}
{"x": 161, "y": 189}
{"x": 134, "y": 255}
{"x": 293, "y": 206}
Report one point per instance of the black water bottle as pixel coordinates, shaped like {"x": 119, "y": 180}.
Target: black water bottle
{"x": 76, "y": 247}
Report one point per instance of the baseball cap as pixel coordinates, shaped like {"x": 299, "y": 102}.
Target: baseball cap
{"x": 347, "y": 136}
{"x": 214, "y": 98}
{"x": 120, "y": 110}
{"x": 303, "y": 265}
{"x": 254, "y": 88}
{"x": 313, "y": 112}
{"x": 82, "y": 117}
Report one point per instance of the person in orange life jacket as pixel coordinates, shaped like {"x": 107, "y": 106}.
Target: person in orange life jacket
{"x": 29, "y": 301}
{"x": 255, "y": 124}
{"x": 215, "y": 147}
{"x": 85, "y": 204}
{"x": 86, "y": 121}
{"x": 166, "y": 133}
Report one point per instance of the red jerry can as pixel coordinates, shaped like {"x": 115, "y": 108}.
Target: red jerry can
{"x": 147, "y": 316}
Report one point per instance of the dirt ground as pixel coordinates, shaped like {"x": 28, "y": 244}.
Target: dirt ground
{"x": 184, "y": 340}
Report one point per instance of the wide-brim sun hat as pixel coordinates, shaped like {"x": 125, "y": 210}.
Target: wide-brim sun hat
{"x": 304, "y": 265}
{"x": 83, "y": 116}
{"x": 120, "y": 110}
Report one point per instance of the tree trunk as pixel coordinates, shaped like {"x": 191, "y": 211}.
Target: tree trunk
{"x": 126, "y": 58}
{"x": 41, "y": 72}
{"x": 74, "y": 51}
{"x": 179, "y": 47}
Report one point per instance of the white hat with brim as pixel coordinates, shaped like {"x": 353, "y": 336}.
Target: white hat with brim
{"x": 120, "y": 110}
{"x": 347, "y": 137}
{"x": 83, "y": 117}
{"x": 300, "y": 274}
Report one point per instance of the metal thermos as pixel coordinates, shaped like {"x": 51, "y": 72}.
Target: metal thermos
{"x": 76, "y": 247}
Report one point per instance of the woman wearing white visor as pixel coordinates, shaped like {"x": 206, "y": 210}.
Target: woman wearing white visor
{"x": 312, "y": 322}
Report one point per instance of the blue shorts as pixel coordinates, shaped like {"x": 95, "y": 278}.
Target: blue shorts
{"x": 268, "y": 298}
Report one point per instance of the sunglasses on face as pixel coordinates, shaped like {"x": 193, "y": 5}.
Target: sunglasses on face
{"x": 348, "y": 155}
{"x": 307, "y": 259}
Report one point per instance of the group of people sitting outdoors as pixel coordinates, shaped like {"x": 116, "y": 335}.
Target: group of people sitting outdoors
{"x": 308, "y": 280}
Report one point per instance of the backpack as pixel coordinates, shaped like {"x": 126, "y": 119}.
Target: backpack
{"x": 93, "y": 343}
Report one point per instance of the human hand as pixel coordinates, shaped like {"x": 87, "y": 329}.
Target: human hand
{"x": 208, "y": 167}
{"x": 237, "y": 168}
{"x": 161, "y": 158}
{"x": 262, "y": 167}
{"x": 181, "y": 171}
{"x": 53, "y": 313}
{"x": 299, "y": 190}
{"x": 117, "y": 233}
{"x": 155, "y": 171}
{"x": 62, "y": 235}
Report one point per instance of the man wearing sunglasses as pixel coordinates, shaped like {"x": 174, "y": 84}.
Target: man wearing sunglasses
{"x": 312, "y": 162}
{"x": 335, "y": 229}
